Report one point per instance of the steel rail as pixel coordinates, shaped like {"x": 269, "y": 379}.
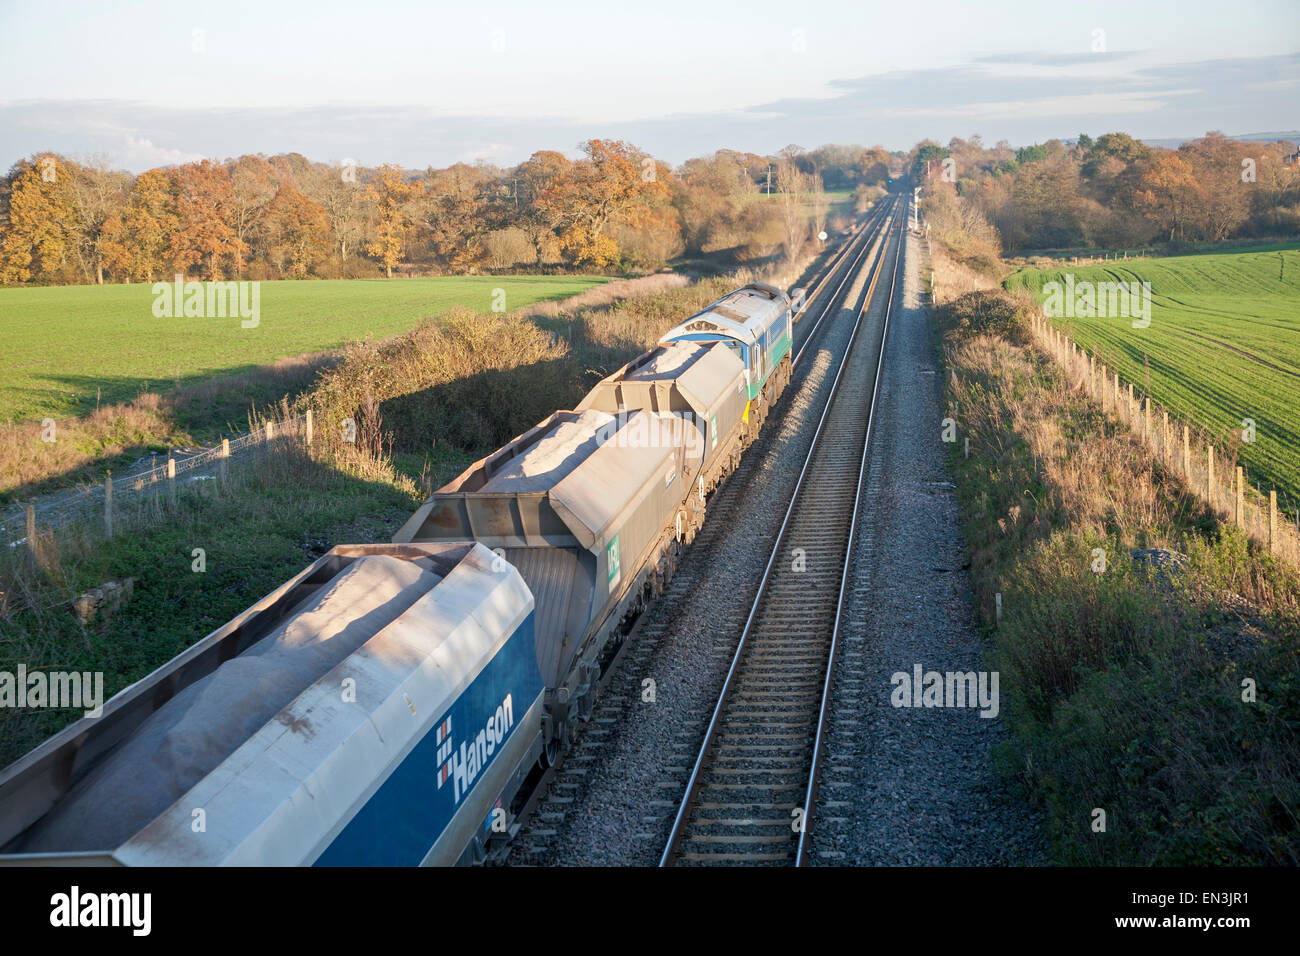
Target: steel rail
{"x": 865, "y": 239}
{"x": 805, "y": 841}
{"x": 693, "y": 784}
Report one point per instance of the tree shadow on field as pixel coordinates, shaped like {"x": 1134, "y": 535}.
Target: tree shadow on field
{"x": 204, "y": 403}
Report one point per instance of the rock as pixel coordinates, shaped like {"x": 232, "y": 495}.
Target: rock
{"x": 107, "y": 597}
{"x": 1160, "y": 558}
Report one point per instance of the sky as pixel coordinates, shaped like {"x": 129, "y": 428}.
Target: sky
{"x": 154, "y": 82}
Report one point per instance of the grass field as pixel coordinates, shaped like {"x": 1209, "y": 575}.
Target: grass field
{"x": 1223, "y": 345}
{"x": 69, "y": 348}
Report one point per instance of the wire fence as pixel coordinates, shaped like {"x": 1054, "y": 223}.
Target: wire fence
{"x": 57, "y": 510}
{"x": 1212, "y": 475}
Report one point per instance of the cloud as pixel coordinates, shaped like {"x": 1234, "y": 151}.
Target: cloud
{"x": 1043, "y": 58}
{"x": 896, "y": 109}
{"x": 143, "y": 154}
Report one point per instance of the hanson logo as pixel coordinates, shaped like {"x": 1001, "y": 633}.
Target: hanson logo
{"x": 462, "y": 766}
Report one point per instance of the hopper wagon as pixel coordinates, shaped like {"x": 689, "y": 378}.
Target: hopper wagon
{"x": 587, "y": 506}
{"x": 592, "y": 514}
{"x": 381, "y": 708}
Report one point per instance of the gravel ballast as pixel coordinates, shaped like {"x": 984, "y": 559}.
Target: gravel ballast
{"x": 912, "y": 785}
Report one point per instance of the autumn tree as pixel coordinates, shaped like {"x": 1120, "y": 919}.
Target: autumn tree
{"x": 1169, "y": 193}
{"x": 136, "y": 240}
{"x": 529, "y": 181}
{"x": 337, "y": 190}
{"x": 1223, "y": 202}
{"x": 1119, "y": 147}
{"x": 98, "y": 192}
{"x": 204, "y": 235}
{"x": 39, "y": 220}
{"x": 1044, "y": 208}
{"x": 457, "y": 213}
{"x": 253, "y": 185}
{"x": 297, "y": 231}
{"x": 928, "y": 159}
{"x": 712, "y": 195}
{"x": 391, "y": 194}
{"x": 579, "y": 204}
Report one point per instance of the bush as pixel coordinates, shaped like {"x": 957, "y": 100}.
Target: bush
{"x": 474, "y": 380}
{"x": 990, "y": 312}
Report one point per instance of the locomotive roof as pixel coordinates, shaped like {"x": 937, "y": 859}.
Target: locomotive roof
{"x": 744, "y": 314}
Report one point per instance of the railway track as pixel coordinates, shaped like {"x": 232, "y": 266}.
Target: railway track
{"x": 754, "y": 782}
{"x": 821, "y": 298}
{"x": 562, "y": 785}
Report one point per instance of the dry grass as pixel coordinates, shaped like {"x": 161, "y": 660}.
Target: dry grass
{"x": 27, "y": 462}
{"x": 1125, "y": 683}
{"x": 950, "y": 279}
{"x": 610, "y": 293}
{"x": 473, "y": 380}
{"x": 115, "y": 435}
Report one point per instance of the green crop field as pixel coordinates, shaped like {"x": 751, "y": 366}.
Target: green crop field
{"x": 66, "y": 348}
{"x": 1223, "y": 345}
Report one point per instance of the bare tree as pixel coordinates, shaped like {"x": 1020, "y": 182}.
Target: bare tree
{"x": 790, "y": 187}
{"x": 98, "y": 191}
{"x": 821, "y": 205}
{"x": 338, "y": 191}
{"x": 253, "y": 184}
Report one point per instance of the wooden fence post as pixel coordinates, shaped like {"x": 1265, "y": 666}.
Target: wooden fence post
{"x": 309, "y": 428}
{"x": 1237, "y": 496}
{"x": 1209, "y": 475}
{"x": 171, "y": 479}
{"x": 225, "y": 458}
{"x": 31, "y": 534}
{"x": 108, "y": 505}
{"x": 1272, "y": 522}
{"x": 1187, "y": 455}
{"x": 270, "y": 431}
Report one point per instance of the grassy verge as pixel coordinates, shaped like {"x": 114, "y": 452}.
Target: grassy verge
{"x": 458, "y": 388}
{"x": 1166, "y": 696}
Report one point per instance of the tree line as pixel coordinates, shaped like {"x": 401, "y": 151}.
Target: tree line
{"x": 615, "y": 207}
{"x": 1112, "y": 191}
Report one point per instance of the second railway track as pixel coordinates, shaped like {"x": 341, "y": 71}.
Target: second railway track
{"x": 754, "y": 780}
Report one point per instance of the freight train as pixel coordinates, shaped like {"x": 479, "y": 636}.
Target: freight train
{"x": 388, "y": 705}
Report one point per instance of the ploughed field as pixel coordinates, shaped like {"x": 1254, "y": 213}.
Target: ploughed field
{"x": 68, "y": 348}
{"x": 1223, "y": 344}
